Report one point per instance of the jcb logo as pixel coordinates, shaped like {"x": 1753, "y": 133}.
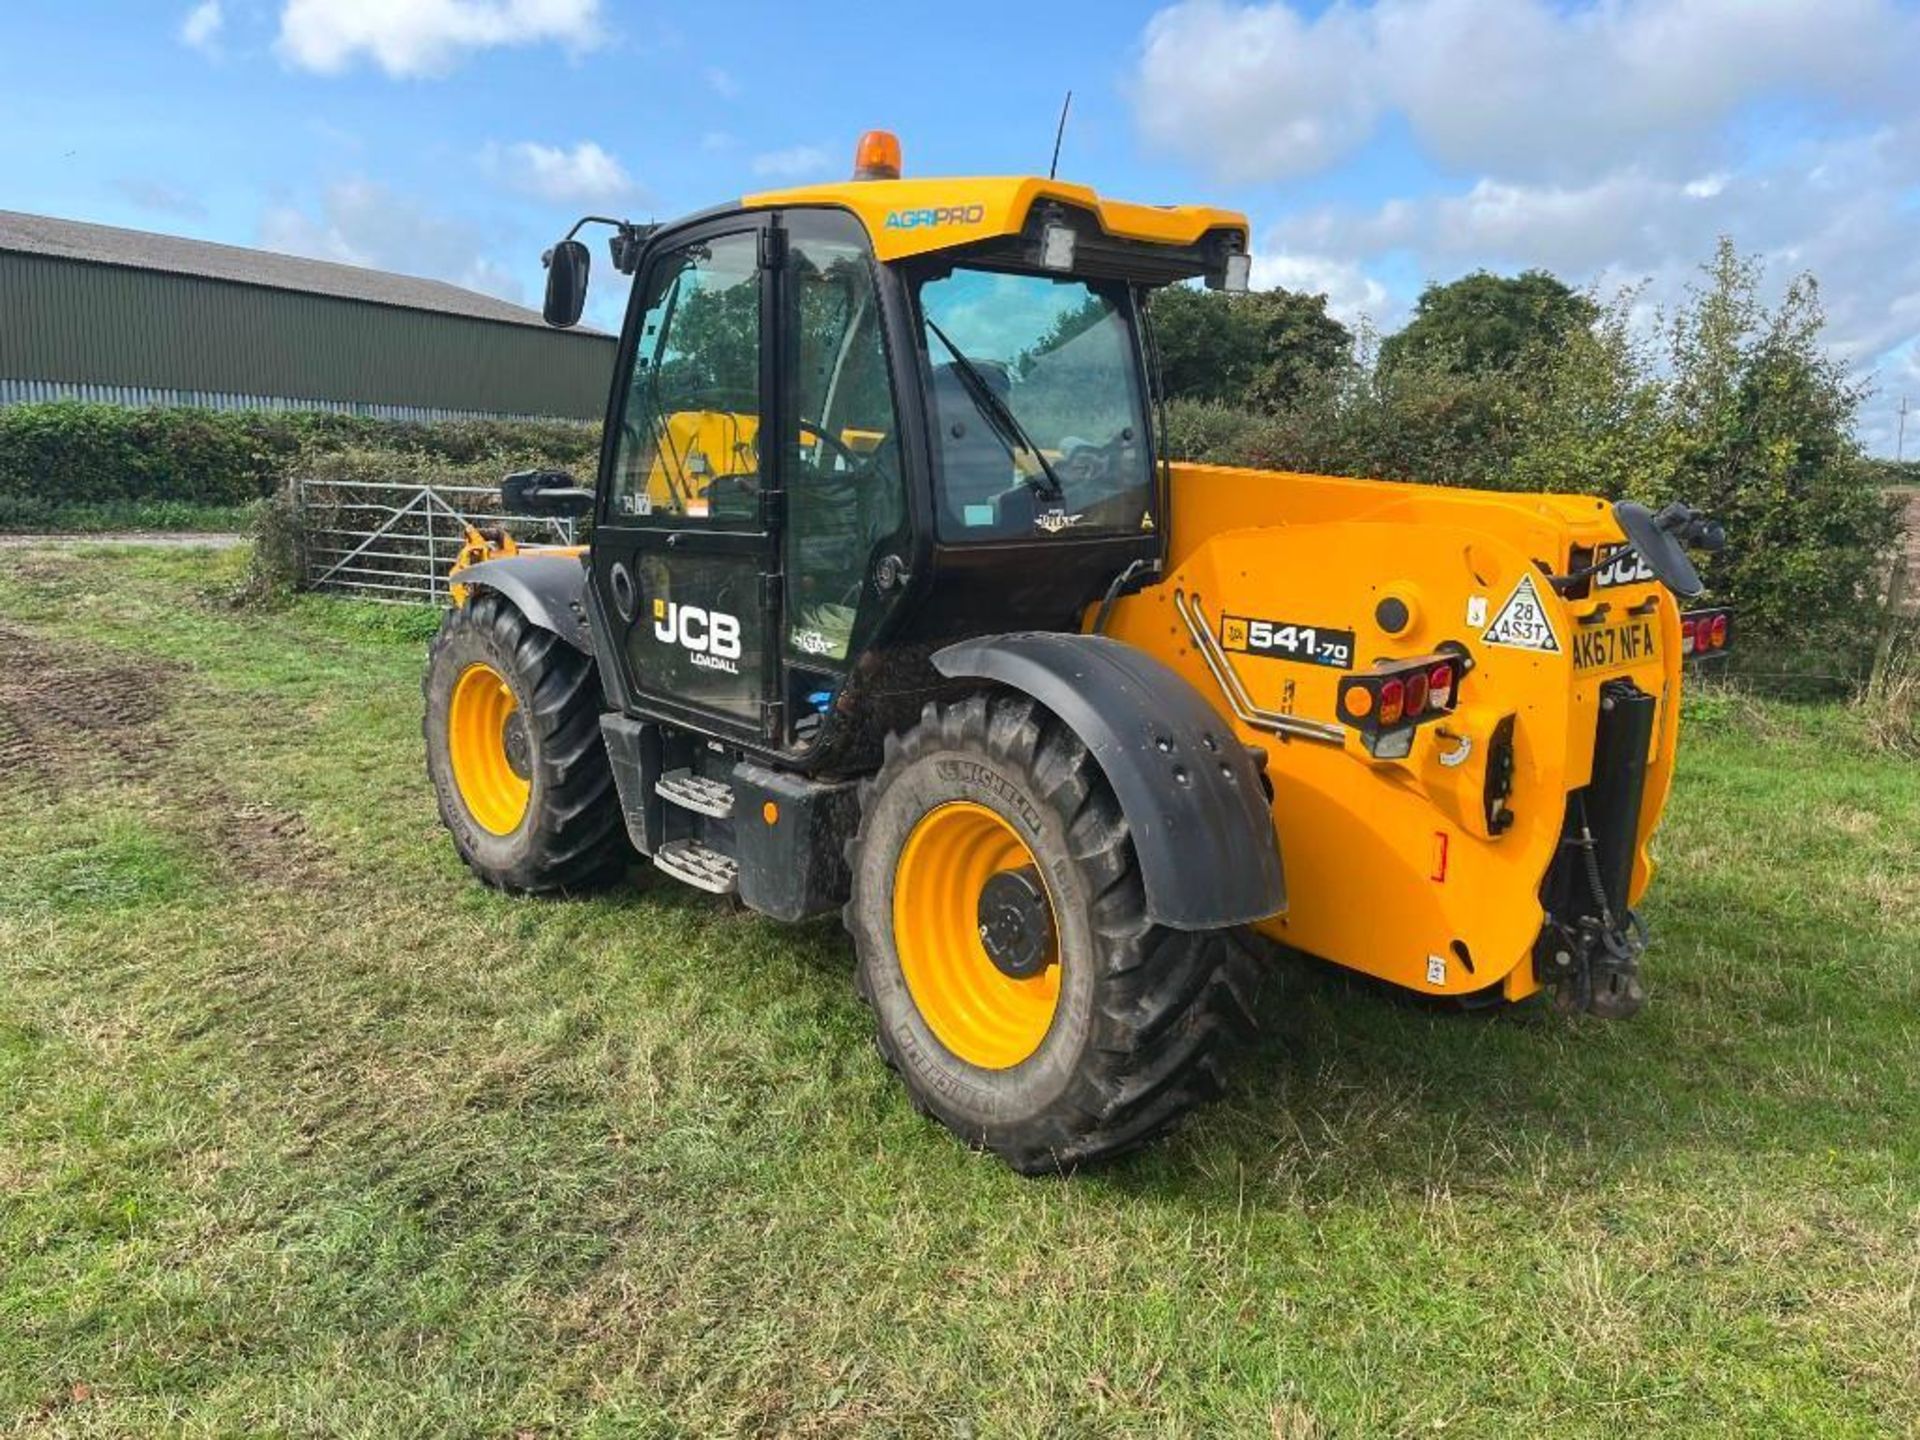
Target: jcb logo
{"x": 711, "y": 635}
{"x": 1621, "y": 565}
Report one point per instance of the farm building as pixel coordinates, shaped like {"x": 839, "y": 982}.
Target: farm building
{"x": 96, "y": 313}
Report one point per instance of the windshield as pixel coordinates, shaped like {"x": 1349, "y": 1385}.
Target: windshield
{"x": 1037, "y": 406}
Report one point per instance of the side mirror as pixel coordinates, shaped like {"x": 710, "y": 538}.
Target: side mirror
{"x": 1661, "y": 540}
{"x": 567, "y": 266}
{"x": 544, "y": 492}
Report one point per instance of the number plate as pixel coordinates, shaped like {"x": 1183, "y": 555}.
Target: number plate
{"x": 1287, "y": 640}
{"x": 1617, "y": 646}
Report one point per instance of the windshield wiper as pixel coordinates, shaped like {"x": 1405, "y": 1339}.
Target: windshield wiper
{"x": 1000, "y": 416}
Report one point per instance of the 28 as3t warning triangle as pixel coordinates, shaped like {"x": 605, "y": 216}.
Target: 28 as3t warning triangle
{"x": 1522, "y": 623}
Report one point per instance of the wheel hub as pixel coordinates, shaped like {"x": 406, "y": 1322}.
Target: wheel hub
{"x": 513, "y": 739}
{"x": 1016, "y": 923}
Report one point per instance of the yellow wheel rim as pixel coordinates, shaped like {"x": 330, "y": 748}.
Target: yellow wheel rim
{"x": 982, "y": 1015}
{"x": 486, "y": 740}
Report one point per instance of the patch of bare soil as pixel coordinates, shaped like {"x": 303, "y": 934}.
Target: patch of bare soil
{"x": 68, "y": 714}
{"x": 38, "y": 567}
{"x": 262, "y": 845}
{"x": 73, "y": 718}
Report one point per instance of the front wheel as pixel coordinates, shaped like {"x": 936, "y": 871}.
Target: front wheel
{"x": 999, "y": 916}
{"x": 514, "y": 751}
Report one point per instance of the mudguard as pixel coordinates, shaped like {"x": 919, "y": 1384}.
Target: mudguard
{"x": 549, "y": 589}
{"x": 1189, "y": 789}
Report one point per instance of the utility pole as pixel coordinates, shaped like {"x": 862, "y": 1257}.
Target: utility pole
{"x": 1900, "y": 445}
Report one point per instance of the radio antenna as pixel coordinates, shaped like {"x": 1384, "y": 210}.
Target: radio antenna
{"x": 1059, "y": 134}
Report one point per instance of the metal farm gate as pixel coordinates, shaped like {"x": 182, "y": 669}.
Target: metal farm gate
{"x": 393, "y": 541}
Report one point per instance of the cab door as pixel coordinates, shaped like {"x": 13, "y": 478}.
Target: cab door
{"x": 685, "y": 555}
{"x": 843, "y": 476}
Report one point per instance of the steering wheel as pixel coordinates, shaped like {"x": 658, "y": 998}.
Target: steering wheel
{"x": 855, "y": 460}
{"x": 1088, "y": 462}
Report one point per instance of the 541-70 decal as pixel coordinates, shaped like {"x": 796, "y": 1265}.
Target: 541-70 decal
{"x": 1287, "y": 640}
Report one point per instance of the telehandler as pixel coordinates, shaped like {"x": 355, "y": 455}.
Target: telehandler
{"x": 894, "y": 604}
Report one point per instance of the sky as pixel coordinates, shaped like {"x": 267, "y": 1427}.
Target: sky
{"x": 1376, "y": 145}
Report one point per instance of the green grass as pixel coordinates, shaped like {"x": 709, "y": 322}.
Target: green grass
{"x": 304, "y": 1133}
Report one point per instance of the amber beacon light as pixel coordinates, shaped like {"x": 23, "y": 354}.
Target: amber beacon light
{"x": 877, "y": 157}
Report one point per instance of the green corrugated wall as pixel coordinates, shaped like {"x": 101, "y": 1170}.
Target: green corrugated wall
{"x": 87, "y": 323}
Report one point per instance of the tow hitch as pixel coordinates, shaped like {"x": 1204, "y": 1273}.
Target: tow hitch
{"x": 1593, "y": 965}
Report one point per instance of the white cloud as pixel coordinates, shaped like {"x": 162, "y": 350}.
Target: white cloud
{"x": 584, "y": 175}
{"x": 1256, "y": 92}
{"x": 723, "y": 83}
{"x": 799, "y": 162}
{"x": 1352, "y": 294}
{"x": 1523, "y": 86}
{"x": 201, "y": 27}
{"x": 425, "y": 37}
{"x": 361, "y": 222}
{"x": 161, "y": 198}
{"x": 1833, "y": 207}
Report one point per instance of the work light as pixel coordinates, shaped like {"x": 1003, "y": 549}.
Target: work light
{"x": 1056, "y": 247}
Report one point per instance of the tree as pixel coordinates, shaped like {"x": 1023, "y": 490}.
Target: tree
{"x": 1261, "y": 351}
{"x": 1484, "y": 322}
{"x": 1761, "y": 433}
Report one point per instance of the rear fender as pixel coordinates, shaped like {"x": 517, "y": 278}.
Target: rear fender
{"x": 549, "y": 588}
{"x": 1190, "y": 791}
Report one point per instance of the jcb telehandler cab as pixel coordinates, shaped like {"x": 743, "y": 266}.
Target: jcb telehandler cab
{"x": 893, "y": 605}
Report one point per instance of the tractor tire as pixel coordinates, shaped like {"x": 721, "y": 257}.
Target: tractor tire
{"x": 1071, "y": 1028}
{"x": 521, "y": 774}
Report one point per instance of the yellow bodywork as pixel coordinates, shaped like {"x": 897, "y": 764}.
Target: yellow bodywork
{"x": 1391, "y": 866}
{"x": 479, "y": 545}
{"x": 915, "y": 217}
{"x": 697, "y": 448}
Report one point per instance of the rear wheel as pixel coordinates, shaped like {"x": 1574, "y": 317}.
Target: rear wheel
{"x": 1000, "y": 919}
{"x": 514, "y": 752}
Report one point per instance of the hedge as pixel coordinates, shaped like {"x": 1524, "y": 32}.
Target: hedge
{"x": 106, "y": 458}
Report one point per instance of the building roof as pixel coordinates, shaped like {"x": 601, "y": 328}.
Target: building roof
{"x": 141, "y": 250}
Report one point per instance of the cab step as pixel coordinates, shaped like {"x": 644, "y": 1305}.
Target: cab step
{"x": 696, "y": 793}
{"x": 700, "y": 866}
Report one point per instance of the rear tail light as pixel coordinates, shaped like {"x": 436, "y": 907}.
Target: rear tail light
{"x": 1417, "y": 692}
{"x": 1393, "y": 703}
{"x": 1705, "y": 634}
{"x": 1387, "y": 703}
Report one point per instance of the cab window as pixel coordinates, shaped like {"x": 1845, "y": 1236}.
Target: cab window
{"x": 689, "y": 445}
{"x": 1037, "y": 406}
{"x": 844, "y": 490}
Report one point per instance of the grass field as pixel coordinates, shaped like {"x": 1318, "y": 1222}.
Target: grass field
{"x": 302, "y": 1132}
